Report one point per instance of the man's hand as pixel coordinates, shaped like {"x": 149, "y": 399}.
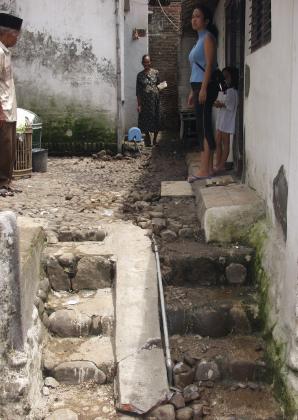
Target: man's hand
{"x": 190, "y": 100}
{"x": 139, "y": 108}
{"x": 2, "y": 117}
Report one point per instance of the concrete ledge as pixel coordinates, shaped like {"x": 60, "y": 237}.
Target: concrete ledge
{"x": 32, "y": 240}
{"x": 227, "y": 213}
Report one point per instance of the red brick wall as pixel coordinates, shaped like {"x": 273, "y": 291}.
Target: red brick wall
{"x": 164, "y": 40}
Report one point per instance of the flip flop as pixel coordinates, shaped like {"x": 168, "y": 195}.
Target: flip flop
{"x": 5, "y": 193}
{"x": 194, "y": 178}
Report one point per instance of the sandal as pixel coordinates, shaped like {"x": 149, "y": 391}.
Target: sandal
{"x": 194, "y": 178}
{"x": 4, "y": 192}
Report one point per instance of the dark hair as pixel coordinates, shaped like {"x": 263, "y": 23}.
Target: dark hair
{"x": 234, "y": 73}
{"x": 144, "y": 56}
{"x": 208, "y": 15}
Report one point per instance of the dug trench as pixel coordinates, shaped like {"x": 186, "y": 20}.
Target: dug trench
{"x": 220, "y": 368}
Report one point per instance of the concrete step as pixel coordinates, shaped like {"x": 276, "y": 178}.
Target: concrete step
{"x": 79, "y": 266}
{"x": 87, "y": 312}
{"x": 212, "y": 312}
{"x": 226, "y": 212}
{"x": 235, "y": 358}
{"x": 206, "y": 265}
{"x": 76, "y": 360}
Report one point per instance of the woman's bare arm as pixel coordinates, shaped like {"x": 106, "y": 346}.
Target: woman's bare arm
{"x": 210, "y": 48}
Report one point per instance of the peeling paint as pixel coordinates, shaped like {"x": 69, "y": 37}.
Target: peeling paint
{"x": 67, "y": 58}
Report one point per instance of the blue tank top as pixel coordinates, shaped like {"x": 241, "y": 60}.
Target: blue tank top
{"x": 197, "y": 55}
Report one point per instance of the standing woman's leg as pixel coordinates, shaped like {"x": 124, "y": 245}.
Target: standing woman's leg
{"x": 218, "y": 151}
{"x": 226, "y": 149}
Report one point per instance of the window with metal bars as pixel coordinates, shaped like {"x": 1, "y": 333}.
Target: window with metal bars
{"x": 260, "y": 24}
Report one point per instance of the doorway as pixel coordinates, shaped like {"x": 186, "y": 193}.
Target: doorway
{"x": 235, "y": 55}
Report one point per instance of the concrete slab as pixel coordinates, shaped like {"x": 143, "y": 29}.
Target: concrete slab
{"x": 141, "y": 376}
{"x": 144, "y": 369}
{"x": 32, "y": 239}
{"x": 89, "y": 302}
{"x": 176, "y": 189}
{"x": 227, "y": 213}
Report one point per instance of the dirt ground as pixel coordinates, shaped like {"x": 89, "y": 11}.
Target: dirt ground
{"x": 83, "y": 192}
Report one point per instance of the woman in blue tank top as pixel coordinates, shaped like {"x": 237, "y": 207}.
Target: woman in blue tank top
{"x": 204, "y": 91}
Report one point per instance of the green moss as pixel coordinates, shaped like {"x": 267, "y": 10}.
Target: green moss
{"x": 71, "y": 128}
{"x": 275, "y": 352}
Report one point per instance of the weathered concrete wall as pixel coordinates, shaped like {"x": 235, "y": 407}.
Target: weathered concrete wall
{"x": 271, "y": 131}
{"x": 21, "y": 330}
{"x": 136, "y": 17}
{"x": 65, "y": 66}
{"x": 11, "y": 336}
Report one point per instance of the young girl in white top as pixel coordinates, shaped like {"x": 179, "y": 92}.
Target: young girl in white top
{"x": 227, "y": 104}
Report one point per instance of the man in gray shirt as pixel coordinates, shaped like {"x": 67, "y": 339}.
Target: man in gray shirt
{"x": 10, "y": 27}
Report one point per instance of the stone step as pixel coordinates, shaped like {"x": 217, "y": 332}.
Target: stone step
{"x": 85, "y": 313}
{"x": 69, "y": 269}
{"x": 233, "y": 358}
{"x": 77, "y": 360}
{"x": 212, "y": 312}
{"x": 206, "y": 265}
{"x": 226, "y": 213}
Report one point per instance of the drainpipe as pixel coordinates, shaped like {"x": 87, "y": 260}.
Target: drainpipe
{"x": 169, "y": 363}
{"x": 119, "y": 77}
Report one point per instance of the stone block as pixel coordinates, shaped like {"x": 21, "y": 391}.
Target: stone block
{"x": 185, "y": 413}
{"x": 69, "y": 323}
{"x": 227, "y": 213}
{"x": 94, "y": 272}
{"x": 59, "y": 279}
{"x": 236, "y": 273}
{"x": 77, "y": 372}
{"x": 164, "y": 412}
{"x": 176, "y": 189}
{"x": 207, "y": 371}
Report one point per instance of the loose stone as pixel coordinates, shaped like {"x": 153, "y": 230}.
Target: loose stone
{"x": 207, "y": 371}
{"x": 185, "y": 413}
{"x": 69, "y": 323}
{"x": 236, "y": 273}
{"x": 164, "y": 412}
{"x": 51, "y": 382}
{"x": 45, "y": 391}
{"x": 177, "y": 400}
{"x": 168, "y": 235}
{"x": 186, "y": 233}
{"x": 191, "y": 393}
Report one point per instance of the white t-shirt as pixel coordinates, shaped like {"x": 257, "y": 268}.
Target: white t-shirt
{"x": 7, "y": 89}
{"x": 226, "y": 116}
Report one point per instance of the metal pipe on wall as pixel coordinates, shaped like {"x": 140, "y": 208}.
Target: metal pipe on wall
{"x": 119, "y": 123}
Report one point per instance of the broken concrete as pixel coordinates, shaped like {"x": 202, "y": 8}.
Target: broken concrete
{"x": 176, "y": 189}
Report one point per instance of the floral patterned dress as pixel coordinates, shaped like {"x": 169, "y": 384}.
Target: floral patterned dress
{"x": 147, "y": 91}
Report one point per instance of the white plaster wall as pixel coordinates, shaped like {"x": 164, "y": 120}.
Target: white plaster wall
{"x": 79, "y": 38}
{"x": 290, "y": 298}
{"x": 219, "y": 20}
{"x": 137, "y": 17}
{"x": 268, "y": 107}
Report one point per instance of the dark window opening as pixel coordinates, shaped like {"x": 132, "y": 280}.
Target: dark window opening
{"x": 260, "y": 24}
{"x": 162, "y": 2}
